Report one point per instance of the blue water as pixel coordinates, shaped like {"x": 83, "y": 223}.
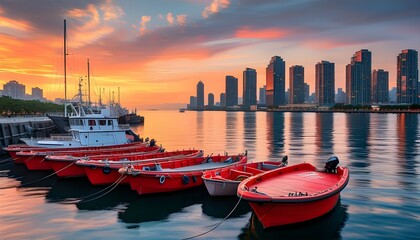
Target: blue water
{"x": 381, "y": 201}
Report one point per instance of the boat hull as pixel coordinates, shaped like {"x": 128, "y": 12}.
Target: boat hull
{"x": 278, "y": 214}
{"x": 37, "y": 163}
{"x": 102, "y": 173}
{"x": 176, "y": 175}
{"x": 293, "y": 194}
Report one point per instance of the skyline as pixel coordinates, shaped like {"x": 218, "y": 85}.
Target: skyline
{"x": 157, "y": 51}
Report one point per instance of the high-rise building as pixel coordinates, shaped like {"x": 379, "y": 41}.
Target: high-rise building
{"x": 393, "y": 95}
{"x": 249, "y": 87}
{"x": 359, "y": 78}
{"x": 297, "y": 79}
{"x": 231, "y": 91}
{"x": 276, "y": 82}
{"x": 306, "y": 89}
{"x": 37, "y": 93}
{"x": 325, "y": 83}
{"x": 380, "y": 86}
{"x": 193, "y": 102}
{"x": 200, "y": 95}
{"x": 261, "y": 99}
{"x": 14, "y": 89}
{"x": 223, "y": 100}
{"x": 210, "y": 102}
{"x": 407, "y": 77}
{"x": 341, "y": 96}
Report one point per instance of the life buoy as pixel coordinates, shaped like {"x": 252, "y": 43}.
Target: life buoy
{"x": 162, "y": 179}
{"x": 185, "y": 179}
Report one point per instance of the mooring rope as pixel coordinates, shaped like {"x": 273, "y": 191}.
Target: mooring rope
{"x": 218, "y": 224}
{"x": 115, "y": 184}
{"x": 6, "y": 160}
{"x": 84, "y": 199}
{"x": 7, "y": 164}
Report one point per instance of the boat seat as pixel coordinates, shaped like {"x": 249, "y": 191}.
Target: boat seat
{"x": 254, "y": 170}
{"x": 269, "y": 166}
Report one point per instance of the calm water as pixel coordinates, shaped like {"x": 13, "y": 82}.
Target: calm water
{"x": 381, "y": 201}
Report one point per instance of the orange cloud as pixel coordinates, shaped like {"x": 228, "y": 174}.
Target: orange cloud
{"x": 215, "y": 7}
{"x": 14, "y": 24}
{"x": 268, "y": 33}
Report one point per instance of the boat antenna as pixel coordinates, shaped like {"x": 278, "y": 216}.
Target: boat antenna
{"x": 119, "y": 96}
{"x": 65, "y": 70}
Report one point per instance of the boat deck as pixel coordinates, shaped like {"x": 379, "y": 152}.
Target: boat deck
{"x": 297, "y": 183}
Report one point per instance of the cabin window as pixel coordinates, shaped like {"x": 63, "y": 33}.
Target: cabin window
{"x": 92, "y": 122}
{"x": 110, "y": 123}
{"x": 102, "y": 122}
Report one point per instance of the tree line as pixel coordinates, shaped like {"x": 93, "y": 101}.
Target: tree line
{"x": 11, "y": 107}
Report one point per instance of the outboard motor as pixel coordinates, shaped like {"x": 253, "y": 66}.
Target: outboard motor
{"x": 285, "y": 161}
{"x": 331, "y": 164}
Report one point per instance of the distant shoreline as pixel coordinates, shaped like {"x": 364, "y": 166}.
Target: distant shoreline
{"x": 312, "y": 110}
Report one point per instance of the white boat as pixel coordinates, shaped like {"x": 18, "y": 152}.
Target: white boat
{"x": 224, "y": 182}
{"x": 87, "y": 130}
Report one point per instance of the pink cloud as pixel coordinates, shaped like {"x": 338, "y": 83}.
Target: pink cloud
{"x": 268, "y": 33}
{"x": 181, "y": 19}
{"x": 170, "y": 18}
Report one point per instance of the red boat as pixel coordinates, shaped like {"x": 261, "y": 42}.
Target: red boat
{"x": 16, "y": 148}
{"x": 101, "y": 172}
{"x": 294, "y": 194}
{"x": 35, "y": 160}
{"x": 225, "y": 182}
{"x": 175, "y": 175}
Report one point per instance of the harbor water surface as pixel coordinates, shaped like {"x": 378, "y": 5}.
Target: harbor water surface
{"x": 381, "y": 200}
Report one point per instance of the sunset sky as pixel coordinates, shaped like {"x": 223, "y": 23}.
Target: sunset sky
{"x": 156, "y": 51}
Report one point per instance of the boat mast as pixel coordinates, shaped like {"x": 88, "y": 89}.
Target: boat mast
{"x": 65, "y": 70}
{"x": 89, "y": 102}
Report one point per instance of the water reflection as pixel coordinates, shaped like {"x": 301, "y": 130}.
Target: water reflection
{"x": 250, "y": 131}
{"x": 326, "y": 227}
{"x": 407, "y": 132}
{"x": 158, "y": 207}
{"x": 324, "y": 129}
{"x": 231, "y": 130}
{"x": 275, "y": 134}
{"x": 220, "y": 207}
{"x": 297, "y": 130}
{"x": 358, "y": 127}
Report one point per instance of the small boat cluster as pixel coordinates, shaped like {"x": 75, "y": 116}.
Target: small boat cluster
{"x": 278, "y": 194}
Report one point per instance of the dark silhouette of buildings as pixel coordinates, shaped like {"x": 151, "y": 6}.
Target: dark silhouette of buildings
{"x": 231, "y": 91}
{"x": 325, "y": 83}
{"x": 262, "y": 94}
{"x": 407, "y": 77}
{"x": 380, "y": 86}
{"x": 249, "y": 87}
{"x": 200, "y": 95}
{"x": 359, "y": 79}
{"x": 210, "y": 101}
{"x": 276, "y": 82}
{"x": 297, "y": 79}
